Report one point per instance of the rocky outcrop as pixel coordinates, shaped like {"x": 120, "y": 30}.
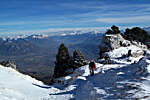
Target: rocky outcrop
{"x": 9, "y": 64}
{"x": 111, "y": 42}
{"x": 114, "y": 41}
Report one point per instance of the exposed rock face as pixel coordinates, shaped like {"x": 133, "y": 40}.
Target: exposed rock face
{"x": 111, "y": 42}
{"x": 114, "y": 41}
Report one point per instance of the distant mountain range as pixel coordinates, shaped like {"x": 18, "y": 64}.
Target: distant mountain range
{"x": 53, "y": 32}
{"x": 36, "y": 53}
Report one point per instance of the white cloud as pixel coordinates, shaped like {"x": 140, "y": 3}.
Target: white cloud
{"x": 135, "y": 19}
{"x": 25, "y": 23}
{"x": 2, "y": 29}
{"x": 57, "y": 30}
{"x": 53, "y": 31}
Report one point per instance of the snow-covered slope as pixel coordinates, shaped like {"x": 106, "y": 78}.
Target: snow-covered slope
{"x": 16, "y": 86}
{"x": 123, "y": 79}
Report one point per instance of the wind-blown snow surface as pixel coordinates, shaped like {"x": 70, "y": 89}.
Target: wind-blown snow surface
{"x": 124, "y": 78}
{"x": 16, "y": 86}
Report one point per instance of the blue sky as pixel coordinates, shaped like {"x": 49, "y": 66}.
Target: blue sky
{"x": 41, "y": 15}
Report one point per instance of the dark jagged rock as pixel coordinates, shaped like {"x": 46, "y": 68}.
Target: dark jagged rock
{"x": 9, "y": 64}
{"x": 114, "y": 41}
{"x": 111, "y": 42}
